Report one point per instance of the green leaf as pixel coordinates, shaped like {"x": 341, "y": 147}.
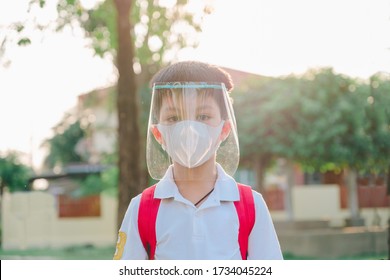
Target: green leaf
{"x": 19, "y": 27}
{"x": 24, "y": 42}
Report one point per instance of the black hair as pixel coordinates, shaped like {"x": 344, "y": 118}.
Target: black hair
{"x": 193, "y": 71}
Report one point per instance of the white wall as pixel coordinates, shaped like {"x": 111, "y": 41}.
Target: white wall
{"x": 30, "y": 220}
{"x": 322, "y": 202}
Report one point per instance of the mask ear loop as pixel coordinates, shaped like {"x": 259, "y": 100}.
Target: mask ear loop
{"x": 157, "y": 134}
{"x": 226, "y": 128}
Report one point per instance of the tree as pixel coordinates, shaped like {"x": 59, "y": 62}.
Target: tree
{"x": 62, "y": 146}
{"x": 140, "y": 35}
{"x": 316, "y": 120}
{"x": 378, "y": 122}
{"x": 266, "y": 114}
{"x": 322, "y": 120}
{"x": 13, "y": 174}
{"x": 337, "y": 130}
{"x": 266, "y": 117}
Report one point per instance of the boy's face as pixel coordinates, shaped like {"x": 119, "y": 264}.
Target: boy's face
{"x": 203, "y": 109}
{"x": 188, "y": 123}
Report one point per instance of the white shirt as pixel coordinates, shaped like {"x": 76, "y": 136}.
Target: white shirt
{"x": 185, "y": 232}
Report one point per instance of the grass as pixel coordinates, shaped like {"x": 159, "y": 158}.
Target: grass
{"x": 107, "y": 253}
{"x": 70, "y": 253}
{"x": 288, "y": 256}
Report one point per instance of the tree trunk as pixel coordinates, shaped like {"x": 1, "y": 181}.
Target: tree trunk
{"x": 2, "y": 186}
{"x": 353, "y": 200}
{"x": 260, "y": 164}
{"x": 387, "y": 181}
{"x": 127, "y": 105}
{"x": 288, "y": 204}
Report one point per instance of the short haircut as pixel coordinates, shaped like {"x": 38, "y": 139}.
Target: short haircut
{"x": 196, "y": 72}
{"x": 193, "y": 71}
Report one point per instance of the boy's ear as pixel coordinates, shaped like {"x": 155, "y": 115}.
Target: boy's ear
{"x": 225, "y": 130}
{"x": 156, "y": 133}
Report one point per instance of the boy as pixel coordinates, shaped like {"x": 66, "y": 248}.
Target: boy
{"x": 192, "y": 148}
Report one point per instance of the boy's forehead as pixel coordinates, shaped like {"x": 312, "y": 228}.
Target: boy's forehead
{"x": 182, "y": 100}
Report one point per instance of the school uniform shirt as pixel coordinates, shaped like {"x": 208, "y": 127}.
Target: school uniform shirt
{"x": 185, "y": 232}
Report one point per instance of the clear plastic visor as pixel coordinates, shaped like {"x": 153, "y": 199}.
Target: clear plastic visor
{"x": 191, "y": 124}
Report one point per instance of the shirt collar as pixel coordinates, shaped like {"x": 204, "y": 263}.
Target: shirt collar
{"x": 166, "y": 187}
{"x": 225, "y": 188}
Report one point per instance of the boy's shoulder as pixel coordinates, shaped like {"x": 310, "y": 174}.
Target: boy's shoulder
{"x": 247, "y": 187}
{"x": 243, "y": 185}
{"x": 247, "y": 194}
{"x": 257, "y": 196}
{"x": 149, "y": 189}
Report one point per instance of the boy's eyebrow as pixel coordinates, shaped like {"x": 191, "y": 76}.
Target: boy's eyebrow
{"x": 171, "y": 109}
{"x": 205, "y": 107}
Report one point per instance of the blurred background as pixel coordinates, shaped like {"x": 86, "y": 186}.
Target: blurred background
{"x": 311, "y": 97}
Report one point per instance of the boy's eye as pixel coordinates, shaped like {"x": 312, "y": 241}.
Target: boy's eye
{"x": 173, "y": 119}
{"x": 203, "y": 117}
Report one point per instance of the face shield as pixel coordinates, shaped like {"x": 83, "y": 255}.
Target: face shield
{"x": 190, "y": 124}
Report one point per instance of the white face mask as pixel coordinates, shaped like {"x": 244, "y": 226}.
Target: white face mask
{"x": 190, "y": 143}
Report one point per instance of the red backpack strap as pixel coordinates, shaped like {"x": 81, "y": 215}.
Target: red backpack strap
{"x": 246, "y": 215}
{"x": 147, "y": 215}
